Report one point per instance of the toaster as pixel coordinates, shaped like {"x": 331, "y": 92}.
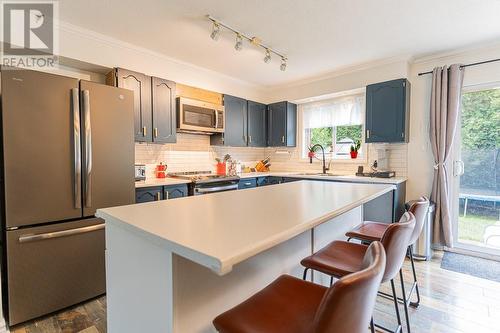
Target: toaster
{"x": 140, "y": 172}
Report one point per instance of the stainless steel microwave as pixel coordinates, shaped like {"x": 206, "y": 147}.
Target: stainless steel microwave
{"x": 199, "y": 117}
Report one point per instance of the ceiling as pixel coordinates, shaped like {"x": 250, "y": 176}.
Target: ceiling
{"x": 319, "y": 36}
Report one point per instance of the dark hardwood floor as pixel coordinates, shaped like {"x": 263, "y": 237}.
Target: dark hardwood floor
{"x": 451, "y": 303}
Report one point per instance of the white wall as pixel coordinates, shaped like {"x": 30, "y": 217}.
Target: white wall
{"x": 420, "y": 160}
{"x": 91, "y": 47}
{"x": 348, "y": 79}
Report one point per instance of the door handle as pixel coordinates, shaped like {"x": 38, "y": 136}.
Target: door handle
{"x": 155, "y": 132}
{"x": 283, "y": 139}
{"x": 57, "y": 234}
{"x": 144, "y": 131}
{"x": 367, "y": 134}
{"x": 249, "y": 139}
{"x": 458, "y": 165}
{"x": 88, "y": 147}
{"x": 77, "y": 149}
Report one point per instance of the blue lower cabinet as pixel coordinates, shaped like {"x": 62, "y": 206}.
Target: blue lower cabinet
{"x": 271, "y": 180}
{"x": 247, "y": 183}
{"x": 175, "y": 191}
{"x": 290, "y": 179}
{"x": 147, "y": 194}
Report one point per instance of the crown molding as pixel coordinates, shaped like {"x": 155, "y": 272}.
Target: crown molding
{"x": 345, "y": 70}
{"x": 466, "y": 50}
{"x": 105, "y": 39}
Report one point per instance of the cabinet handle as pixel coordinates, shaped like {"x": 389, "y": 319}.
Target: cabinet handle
{"x": 403, "y": 135}
{"x": 155, "y": 131}
{"x": 248, "y": 184}
{"x": 367, "y": 134}
{"x": 283, "y": 139}
{"x": 144, "y": 131}
{"x": 158, "y": 196}
{"x": 166, "y": 195}
{"x": 249, "y": 139}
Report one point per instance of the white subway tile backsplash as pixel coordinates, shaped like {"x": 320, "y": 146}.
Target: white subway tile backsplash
{"x": 193, "y": 153}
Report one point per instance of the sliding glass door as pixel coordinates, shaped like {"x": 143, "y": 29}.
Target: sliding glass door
{"x": 476, "y": 172}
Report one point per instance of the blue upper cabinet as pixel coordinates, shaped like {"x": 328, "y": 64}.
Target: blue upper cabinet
{"x": 235, "y": 123}
{"x": 257, "y": 124}
{"x": 388, "y": 111}
{"x": 282, "y": 124}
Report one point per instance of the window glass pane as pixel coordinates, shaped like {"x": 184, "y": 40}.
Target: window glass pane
{"x": 350, "y": 133}
{"x": 322, "y": 136}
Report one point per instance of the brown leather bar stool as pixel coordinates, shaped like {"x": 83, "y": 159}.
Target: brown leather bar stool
{"x": 291, "y": 305}
{"x": 373, "y": 231}
{"x": 340, "y": 258}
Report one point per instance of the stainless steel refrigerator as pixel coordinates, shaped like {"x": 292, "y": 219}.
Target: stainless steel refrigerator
{"x": 67, "y": 150}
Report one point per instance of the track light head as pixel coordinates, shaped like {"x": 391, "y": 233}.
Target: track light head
{"x": 283, "y": 64}
{"x": 239, "y": 43}
{"x": 215, "y": 31}
{"x": 267, "y": 58}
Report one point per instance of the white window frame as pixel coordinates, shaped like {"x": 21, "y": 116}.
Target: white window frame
{"x": 304, "y": 139}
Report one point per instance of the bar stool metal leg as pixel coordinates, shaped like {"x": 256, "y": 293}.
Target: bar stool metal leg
{"x": 415, "y": 283}
{"x": 304, "y": 277}
{"x": 372, "y": 327}
{"x": 405, "y": 303}
{"x": 396, "y": 306}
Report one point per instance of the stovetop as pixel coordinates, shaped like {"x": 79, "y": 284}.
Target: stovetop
{"x": 199, "y": 177}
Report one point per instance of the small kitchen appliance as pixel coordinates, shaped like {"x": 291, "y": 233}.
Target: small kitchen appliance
{"x": 140, "y": 172}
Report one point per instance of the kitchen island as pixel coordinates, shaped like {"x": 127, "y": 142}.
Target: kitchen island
{"x": 172, "y": 266}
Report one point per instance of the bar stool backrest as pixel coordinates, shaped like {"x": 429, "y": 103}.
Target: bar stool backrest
{"x": 348, "y": 305}
{"x": 419, "y": 209}
{"x": 395, "y": 240}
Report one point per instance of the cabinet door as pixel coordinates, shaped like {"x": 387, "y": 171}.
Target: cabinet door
{"x": 164, "y": 112}
{"x": 235, "y": 132}
{"x": 386, "y": 109}
{"x": 140, "y": 84}
{"x": 173, "y": 192}
{"x": 291, "y": 124}
{"x": 256, "y": 124}
{"x": 148, "y": 194}
{"x": 247, "y": 183}
{"x": 277, "y": 124}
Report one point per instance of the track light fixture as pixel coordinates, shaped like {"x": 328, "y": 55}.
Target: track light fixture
{"x": 238, "y": 46}
{"x": 239, "y": 43}
{"x": 267, "y": 58}
{"x": 283, "y": 64}
{"x": 215, "y": 31}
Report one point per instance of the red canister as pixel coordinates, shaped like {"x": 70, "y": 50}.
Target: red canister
{"x": 161, "y": 170}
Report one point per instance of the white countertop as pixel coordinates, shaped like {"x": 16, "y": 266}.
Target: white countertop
{"x": 223, "y": 229}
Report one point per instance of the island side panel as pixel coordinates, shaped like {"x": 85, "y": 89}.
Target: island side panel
{"x": 200, "y": 295}
{"x": 138, "y": 283}
{"x": 333, "y": 230}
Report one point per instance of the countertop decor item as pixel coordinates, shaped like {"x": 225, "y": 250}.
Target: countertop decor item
{"x": 161, "y": 170}
{"x": 263, "y": 166}
{"x": 355, "y": 149}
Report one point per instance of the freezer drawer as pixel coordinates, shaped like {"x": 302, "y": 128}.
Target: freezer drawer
{"x": 53, "y": 267}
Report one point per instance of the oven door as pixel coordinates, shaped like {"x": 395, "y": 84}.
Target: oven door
{"x": 198, "y": 116}
{"x": 215, "y": 187}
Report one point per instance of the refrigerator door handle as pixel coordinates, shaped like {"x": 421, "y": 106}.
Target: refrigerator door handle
{"x": 77, "y": 148}
{"x": 88, "y": 148}
{"x": 57, "y": 234}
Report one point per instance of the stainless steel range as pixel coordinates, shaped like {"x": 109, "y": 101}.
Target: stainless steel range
{"x": 205, "y": 182}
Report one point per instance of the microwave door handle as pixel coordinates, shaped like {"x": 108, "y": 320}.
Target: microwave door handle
{"x": 216, "y": 119}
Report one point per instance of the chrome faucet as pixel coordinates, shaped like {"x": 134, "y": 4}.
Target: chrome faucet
{"x": 313, "y": 148}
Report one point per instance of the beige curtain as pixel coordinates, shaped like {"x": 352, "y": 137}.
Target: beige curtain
{"x": 445, "y": 109}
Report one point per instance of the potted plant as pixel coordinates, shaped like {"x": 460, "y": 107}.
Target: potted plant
{"x": 354, "y": 149}
{"x": 311, "y": 152}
